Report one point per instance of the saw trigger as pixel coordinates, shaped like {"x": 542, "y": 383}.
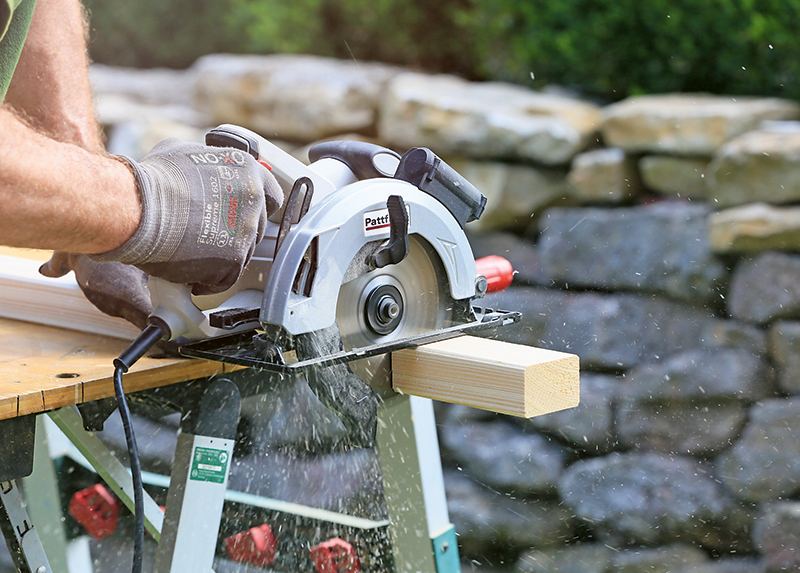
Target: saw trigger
{"x": 396, "y": 249}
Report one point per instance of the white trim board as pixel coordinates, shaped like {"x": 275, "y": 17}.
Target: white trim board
{"x": 27, "y": 295}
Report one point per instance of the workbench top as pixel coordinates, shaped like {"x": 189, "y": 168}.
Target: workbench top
{"x": 42, "y": 368}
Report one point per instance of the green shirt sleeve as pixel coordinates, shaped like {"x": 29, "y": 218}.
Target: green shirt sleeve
{"x": 5, "y": 16}
{"x": 15, "y": 18}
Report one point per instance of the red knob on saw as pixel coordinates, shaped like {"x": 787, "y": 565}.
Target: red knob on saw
{"x": 498, "y": 272}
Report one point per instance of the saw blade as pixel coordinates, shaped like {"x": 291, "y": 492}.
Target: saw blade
{"x": 397, "y": 301}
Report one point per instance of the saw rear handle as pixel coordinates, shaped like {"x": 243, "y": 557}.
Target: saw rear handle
{"x": 365, "y": 160}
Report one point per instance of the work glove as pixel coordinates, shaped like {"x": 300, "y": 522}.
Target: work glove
{"x": 204, "y": 209}
{"x": 116, "y": 289}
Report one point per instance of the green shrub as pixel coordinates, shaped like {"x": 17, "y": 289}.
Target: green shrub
{"x": 615, "y": 48}
{"x": 173, "y": 33}
{"x": 420, "y": 34}
{"x": 607, "y": 49}
{"x": 156, "y": 33}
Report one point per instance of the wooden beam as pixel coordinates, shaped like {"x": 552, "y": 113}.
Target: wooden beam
{"x": 489, "y": 374}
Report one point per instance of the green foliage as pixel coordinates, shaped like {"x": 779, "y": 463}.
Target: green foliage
{"x": 155, "y": 33}
{"x": 423, "y": 34}
{"x": 605, "y": 48}
{"x": 173, "y": 33}
{"x": 615, "y": 48}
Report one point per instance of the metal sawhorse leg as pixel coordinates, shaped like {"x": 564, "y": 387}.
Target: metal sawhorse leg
{"x": 421, "y": 538}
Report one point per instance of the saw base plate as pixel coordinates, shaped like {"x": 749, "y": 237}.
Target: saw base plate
{"x": 244, "y": 350}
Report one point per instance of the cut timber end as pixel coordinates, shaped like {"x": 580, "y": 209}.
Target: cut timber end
{"x": 489, "y": 374}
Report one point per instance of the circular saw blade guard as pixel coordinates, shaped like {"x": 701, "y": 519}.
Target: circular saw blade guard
{"x": 303, "y": 286}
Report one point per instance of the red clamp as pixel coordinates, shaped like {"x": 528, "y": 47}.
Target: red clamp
{"x": 335, "y": 556}
{"x": 96, "y": 510}
{"x": 255, "y": 546}
{"x": 498, "y": 272}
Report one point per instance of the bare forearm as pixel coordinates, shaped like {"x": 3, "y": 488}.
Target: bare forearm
{"x": 60, "y": 196}
{"x": 51, "y": 81}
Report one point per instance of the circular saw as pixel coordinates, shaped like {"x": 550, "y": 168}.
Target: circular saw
{"x": 367, "y": 255}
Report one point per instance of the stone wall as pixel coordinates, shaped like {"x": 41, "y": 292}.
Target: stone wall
{"x": 655, "y": 238}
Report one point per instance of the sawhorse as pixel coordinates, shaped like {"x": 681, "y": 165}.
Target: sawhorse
{"x": 421, "y": 537}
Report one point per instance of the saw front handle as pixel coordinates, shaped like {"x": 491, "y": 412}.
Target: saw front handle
{"x": 176, "y": 309}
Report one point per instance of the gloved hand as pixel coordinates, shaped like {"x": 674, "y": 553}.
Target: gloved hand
{"x": 204, "y": 209}
{"x": 114, "y": 288}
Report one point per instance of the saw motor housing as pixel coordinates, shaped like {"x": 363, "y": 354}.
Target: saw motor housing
{"x": 335, "y": 226}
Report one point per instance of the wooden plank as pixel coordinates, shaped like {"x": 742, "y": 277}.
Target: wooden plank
{"x": 27, "y": 295}
{"x": 489, "y": 374}
{"x": 43, "y": 368}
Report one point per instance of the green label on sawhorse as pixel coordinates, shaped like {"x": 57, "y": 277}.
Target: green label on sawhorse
{"x": 209, "y": 464}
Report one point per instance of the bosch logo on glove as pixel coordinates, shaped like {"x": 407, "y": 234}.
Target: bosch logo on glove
{"x": 233, "y": 205}
{"x": 378, "y": 222}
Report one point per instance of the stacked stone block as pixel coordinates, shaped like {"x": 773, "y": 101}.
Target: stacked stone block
{"x": 658, "y": 239}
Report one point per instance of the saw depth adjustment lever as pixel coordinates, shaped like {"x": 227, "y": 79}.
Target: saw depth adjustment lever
{"x": 396, "y": 249}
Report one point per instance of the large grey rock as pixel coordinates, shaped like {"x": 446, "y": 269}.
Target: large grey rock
{"x": 757, "y": 166}
{"x": 777, "y": 536}
{"x": 666, "y": 559}
{"x": 291, "y": 417}
{"x": 485, "y": 120}
{"x": 693, "y": 402}
{"x": 784, "y": 345}
{"x": 590, "y": 426}
{"x": 603, "y": 176}
{"x": 727, "y": 565}
{"x": 583, "y": 558}
{"x": 488, "y": 521}
{"x": 765, "y": 288}
{"x": 724, "y": 333}
{"x": 696, "y": 429}
{"x": 522, "y": 254}
{"x": 136, "y": 138}
{"x": 650, "y": 498}
{"x": 158, "y": 86}
{"x": 115, "y": 109}
{"x": 157, "y": 440}
{"x": 342, "y": 481}
{"x": 661, "y": 247}
{"x": 687, "y": 124}
{"x": 702, "y": 375}
{"x": 679, "y": 176}
{"x": 504, "y": 457}
{"x": 765, "y": 463}
{"x": 515, "y": 193}
{"x": 127, "y": 95}
{"x": 753, "y": 228}
{"x": 290, "y": 97}
{"x": 615, "y": 331}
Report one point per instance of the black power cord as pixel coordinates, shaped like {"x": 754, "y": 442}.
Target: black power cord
{"x": 150, "y": 336}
